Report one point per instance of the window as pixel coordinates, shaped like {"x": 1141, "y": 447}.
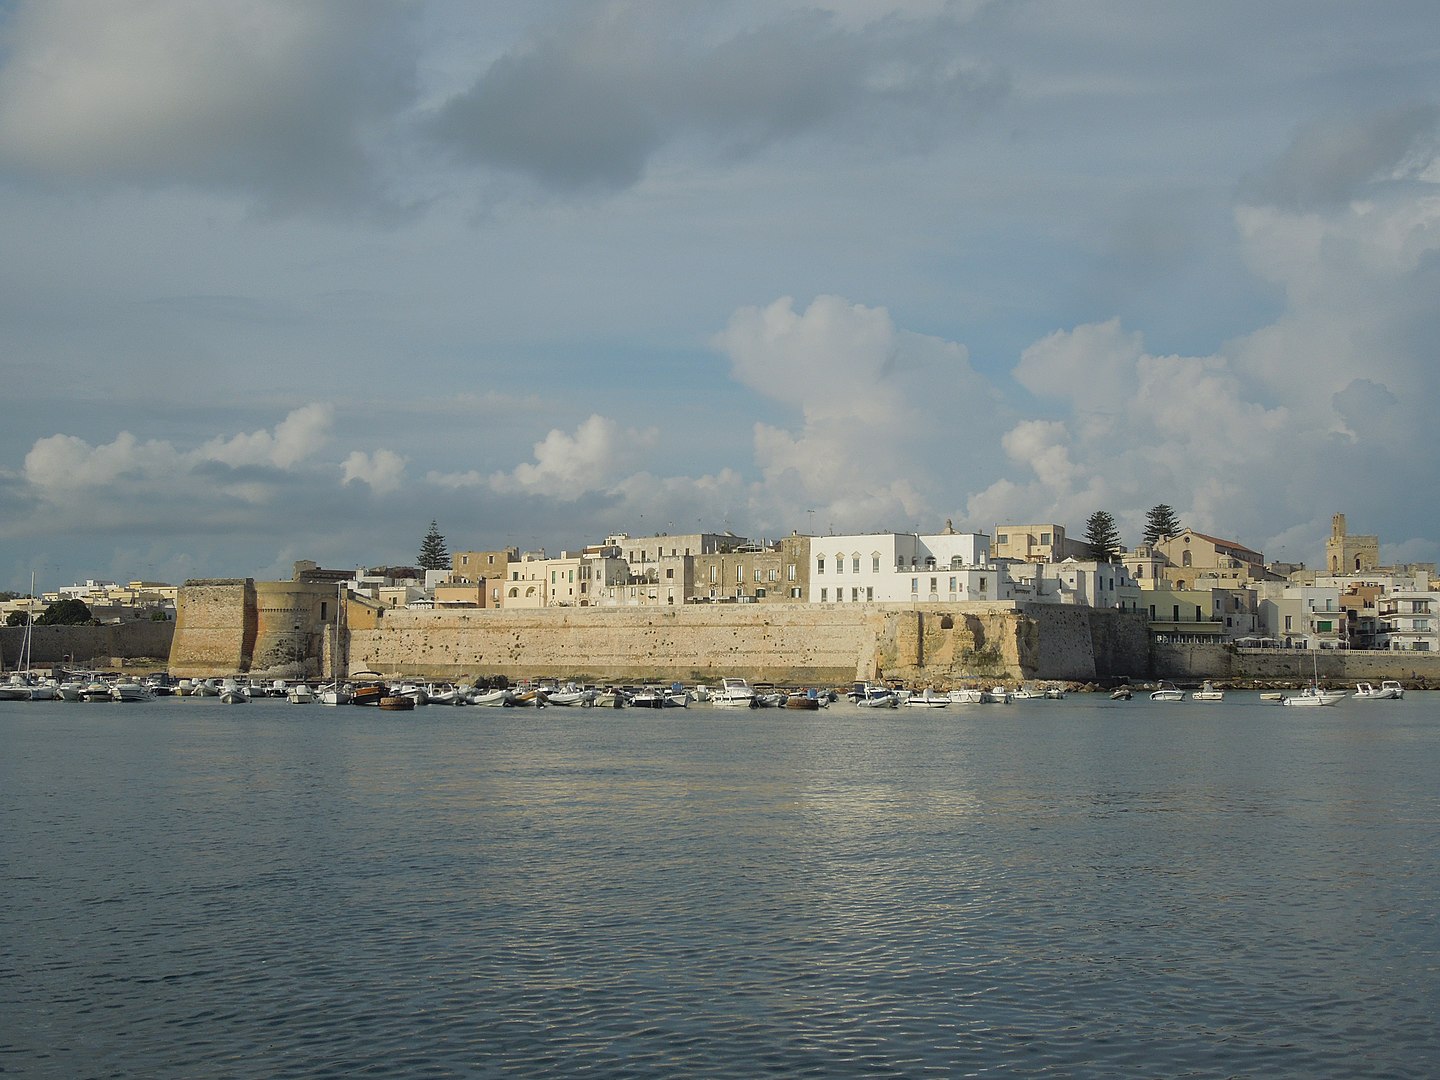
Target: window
{"x": 952, "y": 584}
{"x": 739, "y": 575}
{"x": 839, "y": 564}
{"x": 934, "y": 584}
{"x": 820, "y": 565}
{"x": 1001, "y": 538}
{"x": 1044, "y": 538}
{"x": 982, "y": 584}
{"x": 713, "y": 571}
{"x": 670, "y": 573}
{"x": 869, "y": 593}
{"x": 914, "y": 584}
{"x": 855, "y": 595}
{"x": 757, "y": 573}
{"x": 790, "y": 572}
{"x": 855, "y": 564}
{"x": 875, "y": 564}
{"x": 1289, "y": 621}
{"x": 824, "y": 595}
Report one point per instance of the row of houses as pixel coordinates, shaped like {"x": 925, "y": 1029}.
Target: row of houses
{"x": 109, "y": 602}
{"x": 1191, "y": 587}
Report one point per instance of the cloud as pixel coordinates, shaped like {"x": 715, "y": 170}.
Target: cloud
{"x": 267, "y": 97}
{"x": 383, "y": 471}
{"x": 59, "y": 466}
{"x": 880, "y": 408}
{"x": 568, "y": 466}
{"x": 586, "y": 105}
{"x": 295, "y": 438}
{"x": 1334, "y": 160}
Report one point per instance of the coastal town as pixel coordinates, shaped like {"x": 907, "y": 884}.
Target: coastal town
{"x": 1183, "y": 603}
{"x": 1191, "y": 587}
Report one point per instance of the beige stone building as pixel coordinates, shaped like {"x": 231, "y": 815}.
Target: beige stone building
{"x": 1346, "y": 554}
{"x": 1044, "y": 543}
{"x": 1197, "y": 560}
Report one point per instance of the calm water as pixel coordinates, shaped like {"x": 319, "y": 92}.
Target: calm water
{"x": 1074, "y": 888}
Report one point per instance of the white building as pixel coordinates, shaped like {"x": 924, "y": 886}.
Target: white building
{"x": 890, "y": 568}
{"x": 1410, "y": 622}
{"x": 1084, "y": 582}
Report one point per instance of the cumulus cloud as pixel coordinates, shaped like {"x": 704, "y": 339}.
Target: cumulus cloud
{"x": 383, "y": 471}
{"x": 567, "y": 466}
{"x": 1291, "y": 421}
{"x": 588, "y": 103}
{"x": 262, "y": 96}
{"x": 881, "y": 408}
{"x": 294, "y": 439}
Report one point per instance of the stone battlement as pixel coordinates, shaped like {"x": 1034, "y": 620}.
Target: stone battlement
{"x": 281, "y": 627}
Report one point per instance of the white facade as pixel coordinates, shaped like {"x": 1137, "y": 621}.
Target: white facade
{"x": 1300, "y": 616}
{"x": 890, "y": 568}
{"x": 1410, "y": 622}
{"x": 1088, "y": 583}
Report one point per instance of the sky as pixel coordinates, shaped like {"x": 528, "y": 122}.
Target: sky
{"x": 287, "y": 281}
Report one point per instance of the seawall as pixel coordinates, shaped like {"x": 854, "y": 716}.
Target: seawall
{"x": 107, "y": 646}
{"x": 929, "y": 644}
{"x": 1224, "y": 663}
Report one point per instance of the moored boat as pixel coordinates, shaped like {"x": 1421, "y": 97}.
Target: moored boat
{"x": 871, "y": 696}
{"x": 734, "y": 692}
{"x": 1167, "y": 691}
{"x": 1207, "y": 692}
{"x": 927, "y": 699}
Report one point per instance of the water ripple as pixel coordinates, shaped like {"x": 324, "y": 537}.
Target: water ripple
{"x": 1060, "y": 889}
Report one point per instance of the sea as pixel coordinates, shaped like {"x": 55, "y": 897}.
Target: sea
{"x": 1073, "y": 888}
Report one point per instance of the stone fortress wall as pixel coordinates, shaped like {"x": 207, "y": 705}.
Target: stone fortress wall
{"x": 285, "y": 630}
{"x": 282, "y": 629}
{"x": 238, "y": 626}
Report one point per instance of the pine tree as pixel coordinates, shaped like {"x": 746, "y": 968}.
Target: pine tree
{"x": 433, "y": 553}
{"x": 1103, "y": 536}
{"x": 1160, "y": 522}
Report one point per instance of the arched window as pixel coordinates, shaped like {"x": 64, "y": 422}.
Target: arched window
{"x": 1185, "y": 557}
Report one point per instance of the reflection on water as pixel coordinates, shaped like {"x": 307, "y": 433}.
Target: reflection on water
{"x": 1078, "y": 887}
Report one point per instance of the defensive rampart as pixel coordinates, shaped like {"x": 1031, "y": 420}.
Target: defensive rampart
{"x": 112, "y": 645}
{"x": 283, "y": 629}
{"x": 932, "y": 644}
{"x": 1342, "y": 667}
{"x": 234, "y": 625}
